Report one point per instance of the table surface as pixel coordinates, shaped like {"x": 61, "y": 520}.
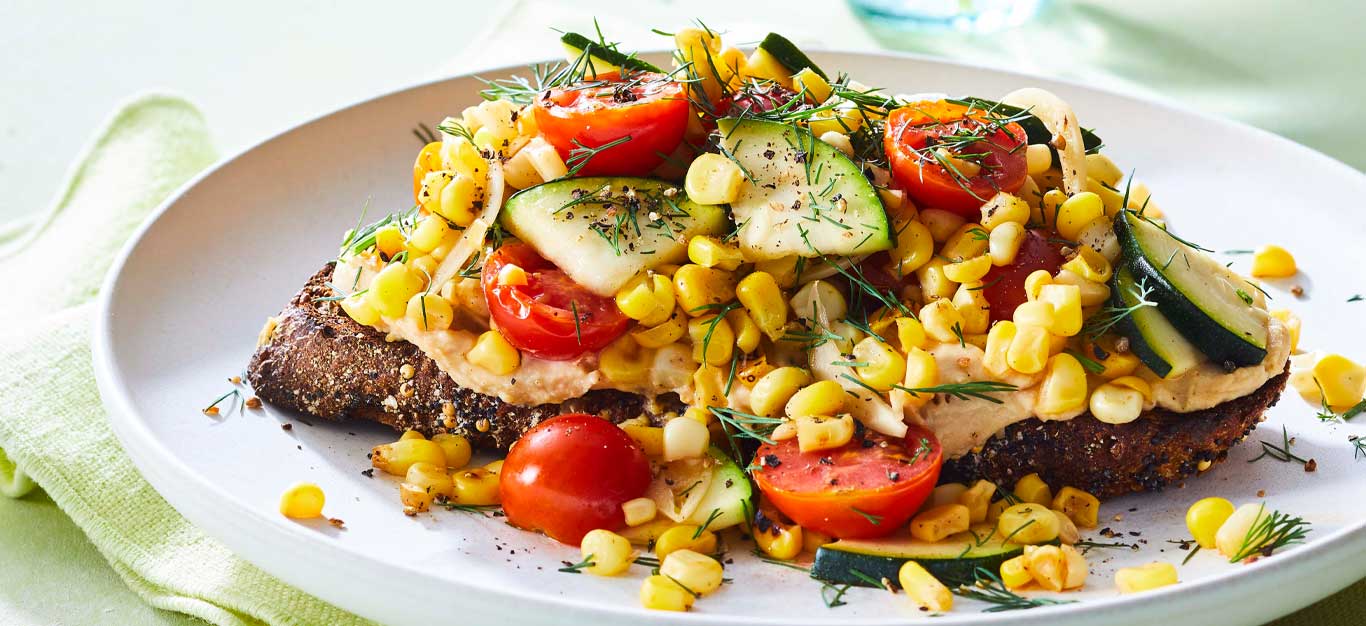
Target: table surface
{"x": 261, "y": 67}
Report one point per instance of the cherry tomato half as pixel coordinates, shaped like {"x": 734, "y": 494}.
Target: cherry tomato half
{"x": 1003, "y": 286}
{"x": 914, "y": 133}
{"x": 868, "y": 488}
{"x": 650, "y": 109}
{"x": 570, "y": 475}
{"x": 538, "y": 317}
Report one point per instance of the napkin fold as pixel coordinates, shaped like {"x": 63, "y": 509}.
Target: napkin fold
{"x": 52, "y": 424}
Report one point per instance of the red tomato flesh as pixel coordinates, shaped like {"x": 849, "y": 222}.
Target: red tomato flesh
{"x": 1003, "y": 286}
{"x": 650, "y": 109}
{"x": 914, "y": 133}
{"x": 570, "y": 475}
{"x": 538, "y": 317}
{"x": 869, "y": 487}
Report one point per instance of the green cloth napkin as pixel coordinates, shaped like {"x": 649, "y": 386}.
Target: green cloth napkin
{"x": 52, "y": 423}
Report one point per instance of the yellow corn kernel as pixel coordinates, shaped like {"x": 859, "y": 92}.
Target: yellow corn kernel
{"x": 389, "y": 240}
{"x": 1204, "y": 519}
{"x": 763, "y": 300}
{"x": 391, "y": 288}
{"x": 773, "y": 390}
{"x": 1048, "y": 208}
{"x": 1340, "y": 380}
{"x": 825, "y": 397}
{"x": 1035, "y": 282}
{"x": 1116, "y": 404}
{"x": 685, "y": 537}
{"x": 1029, "y": 349}
{"x": 697, "y": 287}
{"x": 746, "y": 332}
{"x": 647, "y": 298}
{"x": 302, "y": 501}
{"x": 1038, "y": 158}
{"x": 1032, "y": 489}
{"x": 1117, "y": 364}
{"x": 695, "y": 571}
{"x": 395, "y": 458}
{"x": 1028, "y": 523}
{"x": 1092, "y": 293}
{"x": 813, "y": 540}
{"x": 709, "y": 383}
{"x": 910, "y": 333}
{"x": 710, "y": 252}
{"x": 817, "y": 88}
{"x": 845, "y": 118}
{"x": 939, "y": 522}
{"x": 658, "y": 593}
{"x": 713, "y": 179}
{"x": 1002, "y": 209}
{"x": 429, "y": 192}
{"x": 968, "y": 271}
{"x": 411, "y": 434}
{"x": 700, "y": 414}
{"x": 649, "y": 438}
{"x": 941, "y": 224}
{"x": 1234, "y": 534}
{"x": 995, "y": 509}
{"x": 685, "y": 439}
{"x": 923, "y": 588}
{"x": 1111, "y": 201}
{"x": 934, "y": 284}
{"x": 609, "y": 553}
{"x": 432, "y": 478}
{"x": 1101, "y": 168}
{"x": 1145, "y": 577}
{"x": 624, "y": 362}
{"x": 492, "y": 352}
{"x": 1067, "y": 529}
{"x": 713, "y": 341}
{"x": 977, "y": 498}
{"x": 922, "y": 372}
{"x": 914, "y": 248}
{"x": 1063, "y": 389}
{"x": 999, "y": 339}
{"x": 779, "y": 541}
{"x": 973, "y": 307}
{"x": 1015, "y": 574}
{"x": 477, "y": 486}
{"x": 1066, "y": 301}
{"x": 783, "y": 270}
{"x": 430, "y": 311}
{"x": 456, "y": 449}
{"x": 428, "y": 233}
{"x": 1004, "y": 243}
{"x": 1046, "y": 566}
{"x": 358, "y": 307}
{"x": 1292, "y": 325}
{"x": 1089, "y": 264}
{"x": 970, "y": 240}
{"x": 512, "y": 275}
{"x": 884, "y": 366}
{"x": 415, "y": 498}
{"x": 458, "y": 200}
{"x": 668, "y": 332}
{"x": 639, "y": 511}
{"x": 823, "y": 433}
{"x": 1273, "y": 262}
{"x": 1078, "y": 211}
{"x": 942, "y": 321}
{"x": 1080, "y": 507}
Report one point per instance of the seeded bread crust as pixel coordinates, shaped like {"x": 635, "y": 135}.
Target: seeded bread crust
{"x": 322, "y": 363}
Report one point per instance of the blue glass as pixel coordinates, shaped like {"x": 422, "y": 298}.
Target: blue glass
{"x": 977, "y": 16}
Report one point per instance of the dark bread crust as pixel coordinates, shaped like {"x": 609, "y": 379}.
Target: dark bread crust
{"x": 1107, "y": 460}
{"x": 322, "y": 363}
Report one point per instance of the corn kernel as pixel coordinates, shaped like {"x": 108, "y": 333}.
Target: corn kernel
{"x": 1066, "y": 301}
{"x": 430, "y": 311}
{"x": 914, "y": 248}
{"x": 1080, "y": 507}
{"x": 455, "y": 448}
{"x": 1292, "y": 325}
{"x": 884, "y": 366}
{"x": 302, "y": 501}
{"x": 649, "y": 438}
{"x": 713, "y": 179}
{"x": 968, "y": 271}
{"x": 1273, "y": 262}
{"x": 1063, "y": 389}
{"x": 625, "y": 362}
{"x": 709, "y": 382}
{"x": 492, "y": 352}
{"x": 1110, "y": 199}
{"x": 823, "y": 433}
{"x": 411, "y": 434}
{"x": 358, "y": 307}
{"x": 609, "y": 553}
{"x": 779, "y": 541}
{"x": 661, "y": 594}
{"x": 697, "y": 287}
{"x": 428, "y": 233}
{"x": 824, "y": 397}
{"x": 1340, "y": 380}
{"x": 746, "y": 332}
{"x": 638, "y": 511}
{"x": 698, "y": 572}
{"x": 942, "y": 321}
{"x": 1145, "y": 577}
{"x": 941, "y": 224}
{"x": 1067, "y": 529}
{"x": 910, "y": 333}
{"x": 648, "y": 298}
{"x": 685, "y": 439}
{"x": 415, "y": 498}
{"x": 1002, "y": 209}
{"x": 1204, "y": 519}
{"x": 1003, "y": 244}
{"x": 391, "y": 288}
{"x": 458, "y": 200}
{"x": 1028, "y": 524}
{"x": 666, "y": 333}
{"x": 763, "y": 300}
{"x": 1078, "y": 211}
{"x": 939, "y": 522}
{"x": 974, "y": 309}
{"x": 713, "y": 341}
{"x": 773, "y": 390}
{"x": 782, "y": 269}
{"x": 389, "y": 240}
{"x": 977, "y": 498}
{"x": 708, "y": 251}
{"x": 1015, "y": 574}
{"x": 478, "y": 486}
{"x": 395, "y": 458}
{"x": 970, "y": 240}
{"x": 1116, "y": 404}
{"x": 812, "y": 540}
{"x": 922, "y": 372}
{"x": 1038, "y": 158}
{"x": 1035, "y": 282}
{"x": 431, "y": 478}
{"x": 934, "y": 284}
{"x": 1028, "y": 352}
{"x": 923, "y": 588}
{"x": 1032, "y": 489}
{"x": 685, "y": 537}
{"x": 1047, "y": 566}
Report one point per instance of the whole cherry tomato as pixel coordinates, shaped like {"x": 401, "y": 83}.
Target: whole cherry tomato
{"x": 570, "y": 475}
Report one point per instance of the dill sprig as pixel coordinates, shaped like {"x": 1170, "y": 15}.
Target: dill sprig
{"x": 980, "y": 389}
{"x": 1087, "y": 546}
{"x": 1282, "y": 452}
{"x": 1107, "y": 317}
{"x": 987, "y": 587}
{"x": 875, "y": 520}
{"x": 1358, "y": 446}
{"x": 575, "y": 568}
{"x": 237, "y": 402}
{"x": 580, "y": 154}
{"x": 1272, "y": 532}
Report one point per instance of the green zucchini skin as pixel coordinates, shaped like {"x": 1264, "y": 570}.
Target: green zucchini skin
{"x": 789, "y": 54}
{"x": 956, "y": 559}
{"x": 1151, "y": 336}
{"x": 1216, "y": 341}
{"x": 575, "y": 41}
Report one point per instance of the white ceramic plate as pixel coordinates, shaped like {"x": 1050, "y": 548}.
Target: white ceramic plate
{"x": 182, "y": 307}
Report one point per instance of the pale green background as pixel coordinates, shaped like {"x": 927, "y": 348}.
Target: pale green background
{"x": 259, "y": 67}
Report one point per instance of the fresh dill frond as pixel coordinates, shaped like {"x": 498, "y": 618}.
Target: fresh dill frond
{"x": 1271, "y": 532}
{"x": 980, "y": 389}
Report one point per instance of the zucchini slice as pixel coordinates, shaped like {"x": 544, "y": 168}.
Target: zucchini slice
{"x": 1151, "y": 336}
{"x": 1194, "y": 292}
{"x": 604, "y": 59}
{"x": 952, "y": 560}
{"x": 788, "y": 54}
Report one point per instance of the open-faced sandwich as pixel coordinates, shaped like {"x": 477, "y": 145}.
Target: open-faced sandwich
{"x": 664, "y": 289}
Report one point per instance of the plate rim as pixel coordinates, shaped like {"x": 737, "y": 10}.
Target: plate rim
{"x": 1313, "y": 561}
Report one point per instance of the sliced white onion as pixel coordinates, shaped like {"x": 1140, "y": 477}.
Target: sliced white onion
{"x": 473, "y": 239}
{"x": 866, "y": 406}
{"x": 679, "y": 486}
{"x": 1061, "y": 120}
